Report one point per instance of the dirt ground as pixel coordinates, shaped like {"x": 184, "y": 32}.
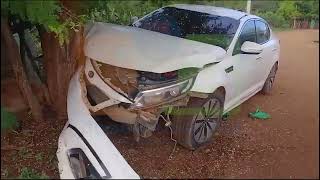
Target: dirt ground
{"x": 285, "y": 146}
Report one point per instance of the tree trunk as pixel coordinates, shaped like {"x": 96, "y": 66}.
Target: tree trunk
{"x": 60, "y": 64}
{"x": 17, "y": 66}
{"x": 26, "y": 46}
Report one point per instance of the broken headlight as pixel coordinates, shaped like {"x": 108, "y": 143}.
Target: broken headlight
{"x": 156, "y": 96}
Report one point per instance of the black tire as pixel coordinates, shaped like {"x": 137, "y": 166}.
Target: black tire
{"x": 190, "y": 129}
{"x": 267, "y": 87}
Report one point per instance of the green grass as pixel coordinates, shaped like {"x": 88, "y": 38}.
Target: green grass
{"x": 24, "y": 153}
{"x": 39, "y": 156}
{"x": 8, "y": 120}
{"x": 27, "y": 173}
{"x": 231, "y": 113}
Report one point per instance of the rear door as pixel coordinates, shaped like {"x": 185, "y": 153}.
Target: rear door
{"x": 264, "y": 59}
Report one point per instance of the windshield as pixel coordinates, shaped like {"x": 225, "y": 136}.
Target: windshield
{"x": 192, "y": 25}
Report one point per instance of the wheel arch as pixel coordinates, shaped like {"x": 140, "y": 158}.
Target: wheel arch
{"x": 277, "y": 63}
{"x": 204, "y": 95}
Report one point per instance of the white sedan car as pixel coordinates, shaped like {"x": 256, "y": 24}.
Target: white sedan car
{"x": 185, "y": 64}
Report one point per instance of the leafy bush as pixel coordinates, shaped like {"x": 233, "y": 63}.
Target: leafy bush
{"x": 274, "y": 19}
{"x": 120, "y": 12}
{"x": 27, "y": 173}
{"x": 8, "y": 120}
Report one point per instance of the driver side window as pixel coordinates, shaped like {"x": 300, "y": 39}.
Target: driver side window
{"x": 248, "y": 33}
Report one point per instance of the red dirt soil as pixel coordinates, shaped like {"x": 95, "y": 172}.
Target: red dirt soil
{"x": 285, "y": 146}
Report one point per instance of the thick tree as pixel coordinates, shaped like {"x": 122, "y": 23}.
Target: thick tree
{"x": 61, "y": 35}
{"x": 12, "y": 53}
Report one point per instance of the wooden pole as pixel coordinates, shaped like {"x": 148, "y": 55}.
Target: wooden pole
{"x": 248, "y": 6}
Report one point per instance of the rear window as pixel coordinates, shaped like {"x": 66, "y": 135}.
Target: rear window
{"x": 196, "y": 26}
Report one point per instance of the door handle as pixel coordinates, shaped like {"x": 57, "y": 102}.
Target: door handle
{"x": 274, "y": 49}
{"x": 229, "y": 69}
{"x": 258, "y": 58}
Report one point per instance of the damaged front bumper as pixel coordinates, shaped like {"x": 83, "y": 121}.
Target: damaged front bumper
{"x": 83, "y": 145}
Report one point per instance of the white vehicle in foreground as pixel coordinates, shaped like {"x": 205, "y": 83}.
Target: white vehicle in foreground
{"x": 202, "y": 60}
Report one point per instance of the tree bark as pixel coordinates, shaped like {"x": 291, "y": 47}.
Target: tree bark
{"x": 12, "y": 53}
{"x": 60, "y": 65}
{"x": 31, "y": 68}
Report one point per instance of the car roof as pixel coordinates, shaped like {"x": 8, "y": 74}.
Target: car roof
{"x": 220, "y": 11}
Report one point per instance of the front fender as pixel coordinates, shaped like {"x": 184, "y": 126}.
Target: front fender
{"x": 211, "y": 78}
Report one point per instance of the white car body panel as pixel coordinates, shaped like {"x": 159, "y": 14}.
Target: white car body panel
{"x": 139, "y": 49}
{"x": 80, "y": 117}
{"x": 248, "y": 76}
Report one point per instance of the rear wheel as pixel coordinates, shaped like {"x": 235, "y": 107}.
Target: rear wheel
{"x": 195, "y": 124}
{"x": 267, "y": 87}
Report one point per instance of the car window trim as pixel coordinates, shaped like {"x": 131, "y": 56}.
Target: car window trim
{"x": 252, "y": 19}
{"x": 267, "y": 25}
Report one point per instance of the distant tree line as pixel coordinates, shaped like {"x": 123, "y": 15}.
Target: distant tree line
{"x": 281, "y": 14}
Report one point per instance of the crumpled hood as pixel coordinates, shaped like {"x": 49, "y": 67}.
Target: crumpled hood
{"x": 144, "y": 50}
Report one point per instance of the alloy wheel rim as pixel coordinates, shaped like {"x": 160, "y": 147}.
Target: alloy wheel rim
{"x": 271, "y": 81}
{"x": 206, "y": 120}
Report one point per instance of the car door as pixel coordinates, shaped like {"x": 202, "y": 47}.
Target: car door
{"x": 264, "y": 61}
{"x": 242, "y": 74}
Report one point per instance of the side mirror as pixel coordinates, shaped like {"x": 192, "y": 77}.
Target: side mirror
{"x": 251, "y": 48}
{"x": 134, "y": 19}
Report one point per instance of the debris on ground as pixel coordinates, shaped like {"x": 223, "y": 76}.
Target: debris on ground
{"x": 225, "y": 116}
{"x": 259, "y": 114}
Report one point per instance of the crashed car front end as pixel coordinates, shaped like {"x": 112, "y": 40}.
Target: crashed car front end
{"x": 130, "y": 85}
{"x": 82, "y": 140}
{"x": 84, "y": 148}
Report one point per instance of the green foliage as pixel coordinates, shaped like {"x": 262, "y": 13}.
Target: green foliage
{"x": 288, "y": 10}
{"x": 43, "y": 12}
{"x": 280, "y": 14}
{"x": 8, "y": 120}
{"x": 274, "y": 19}
{"x": 27, "y": 173}
{"x": 24, "y": 153}
{"x": 39, "y": 156}
{"x": 121, "y": 12}
{"x": 265, "y": 6}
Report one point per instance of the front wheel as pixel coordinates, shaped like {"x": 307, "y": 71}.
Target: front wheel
{"x": 195, "y": 124}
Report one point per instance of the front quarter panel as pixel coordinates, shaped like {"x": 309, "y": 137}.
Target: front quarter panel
{"x": 211, "y": 78}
